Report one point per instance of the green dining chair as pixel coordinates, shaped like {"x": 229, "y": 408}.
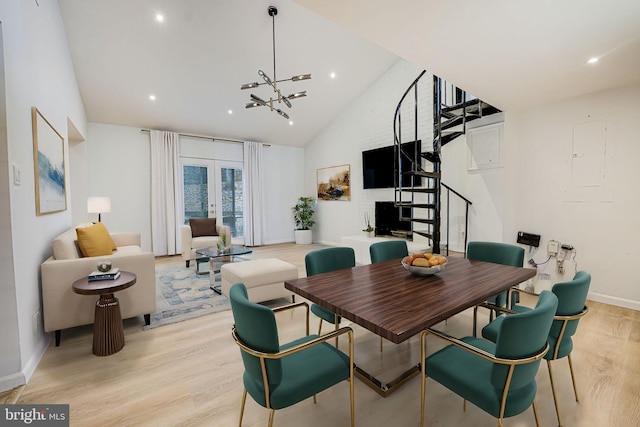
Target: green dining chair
{"x": 498, "y": 253}
{"x": 324, "y": 261}
{"x": 498, "y": 378}
{"x": 278, "y": 375}
{"x": 388, "y": 250}
{"x": 572, "y": 296}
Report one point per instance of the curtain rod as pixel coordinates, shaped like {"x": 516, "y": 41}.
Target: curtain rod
{"x": 213, "y": 138}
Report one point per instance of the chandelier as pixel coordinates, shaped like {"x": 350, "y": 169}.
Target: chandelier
{"x": 277, "y": 98}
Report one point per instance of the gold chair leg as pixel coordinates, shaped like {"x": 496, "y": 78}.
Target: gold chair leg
{"x": 499, "y": 422}
{"x": 315, "y": 401}
{"x": 336, "y": 322}
{"x": 573, "y": 378}
{"x": 272, "y": 415}
{"x": 423, "y": 375}
{"x": 244, "y": 400}
{"x": 380, "y": 344}
{"x": 423, "y": 392}
{"x": 464, "y": 405}
{"x": 352, "y": 404}
{"x": 535, "y": 413}
{"x": 320, "y": 327}
{"x": 553, "y": 391}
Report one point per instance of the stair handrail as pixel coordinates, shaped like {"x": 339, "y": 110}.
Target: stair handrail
{"x": 456, "y": 193}
{"x": 467, "y": 203}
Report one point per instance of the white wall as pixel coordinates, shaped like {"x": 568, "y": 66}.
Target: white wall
{"x": 119, "y": 160}
{"x": 38, "y": 72}
{"x": 127, "y": 178}
{"x": 530, "y": 192}
{"x": 366, "y": 123}
{"x": 601, "y": 223}
{"x": 283, "y": 184}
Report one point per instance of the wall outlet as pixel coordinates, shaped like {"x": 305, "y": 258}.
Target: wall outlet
{"x": 553, "y": 247}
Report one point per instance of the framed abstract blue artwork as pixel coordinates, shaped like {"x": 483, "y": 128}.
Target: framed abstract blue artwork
{"x": 48, "y": 157}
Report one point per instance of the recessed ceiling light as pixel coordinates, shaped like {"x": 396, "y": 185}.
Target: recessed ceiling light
{"x": 159, "y": 17}
{"x": 332, "y": 75}
{"x": 290, "y": 123}
{"x": 230, "y": 111}
{"x": 592, "y": 60}
{"x": 152, "y": 97}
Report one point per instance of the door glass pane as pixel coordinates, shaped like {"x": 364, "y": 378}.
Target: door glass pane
{"x": 232, "y": 200}
{"x": 196, "y": 190}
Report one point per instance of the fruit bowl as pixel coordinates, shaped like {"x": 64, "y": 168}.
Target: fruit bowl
{"x": 422, "y": 271}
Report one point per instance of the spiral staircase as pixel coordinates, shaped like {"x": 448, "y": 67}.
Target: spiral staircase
{"x": 452, "y": 108}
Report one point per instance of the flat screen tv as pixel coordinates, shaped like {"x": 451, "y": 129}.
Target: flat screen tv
{"x": 379, "y": 166}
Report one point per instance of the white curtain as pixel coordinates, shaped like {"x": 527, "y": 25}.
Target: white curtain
{"x": 254, "y": 205}
{"x": 166, "y": 192}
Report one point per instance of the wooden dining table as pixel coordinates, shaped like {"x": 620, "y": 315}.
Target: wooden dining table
{"x": 391, "y": 302}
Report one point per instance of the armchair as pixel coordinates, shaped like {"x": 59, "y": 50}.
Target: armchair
{"x": 278, "y": 376}
{"x": 572, "y": 296}
{"x": 201, "y": 233}
{"x": 498, "y": 378}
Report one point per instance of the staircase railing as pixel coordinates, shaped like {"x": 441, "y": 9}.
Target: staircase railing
{"x": 467, "y": 203}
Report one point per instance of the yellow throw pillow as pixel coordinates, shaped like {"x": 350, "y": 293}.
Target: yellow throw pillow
{"x": 95, "y": 240}
{"x": 106, "y": 235}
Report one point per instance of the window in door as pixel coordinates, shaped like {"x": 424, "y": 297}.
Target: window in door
{"x": 214, "y": 189}
{"x": 196, "y": 192}
{"x": 232, "y": 199}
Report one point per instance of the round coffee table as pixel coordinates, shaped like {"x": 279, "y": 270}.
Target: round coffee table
{"x": 108, "y": 333}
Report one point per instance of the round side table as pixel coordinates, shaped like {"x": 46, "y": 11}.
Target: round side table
{"x": 108, "y": 333}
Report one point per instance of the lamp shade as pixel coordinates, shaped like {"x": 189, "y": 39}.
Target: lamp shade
{"x": 98, "y": 204}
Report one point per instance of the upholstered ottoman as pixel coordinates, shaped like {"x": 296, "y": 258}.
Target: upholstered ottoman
{"x": 264, "y": 278}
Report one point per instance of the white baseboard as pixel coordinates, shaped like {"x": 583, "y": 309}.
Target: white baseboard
{"x": 9, "y": 382}
{"x": 619, "y": 302}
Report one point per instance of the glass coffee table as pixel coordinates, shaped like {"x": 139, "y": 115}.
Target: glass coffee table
{"x": 215, "y": 258}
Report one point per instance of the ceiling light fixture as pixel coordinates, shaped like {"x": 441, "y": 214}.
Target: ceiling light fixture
{"x": 256, "y": 101}
{"x": 593, "y": 60}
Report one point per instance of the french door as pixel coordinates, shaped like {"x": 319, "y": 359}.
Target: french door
{"x": 215, "y": 189}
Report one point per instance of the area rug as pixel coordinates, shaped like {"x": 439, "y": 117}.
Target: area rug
{"x": 181, "y": 294}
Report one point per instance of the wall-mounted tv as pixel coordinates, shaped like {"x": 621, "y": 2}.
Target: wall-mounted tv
{"x": 379, "y": 166}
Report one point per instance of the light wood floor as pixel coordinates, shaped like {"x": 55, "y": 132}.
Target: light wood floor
{"x": 189, "y": 374}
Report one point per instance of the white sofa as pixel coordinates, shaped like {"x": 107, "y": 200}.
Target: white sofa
{"x": 63, "y": 308}
{"x": 191, "y": 244}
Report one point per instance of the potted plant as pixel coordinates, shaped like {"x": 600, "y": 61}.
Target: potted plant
{"x": 303, "y": 217}
{"x": 223, "y": 247}
{"x": 368, "y": 229}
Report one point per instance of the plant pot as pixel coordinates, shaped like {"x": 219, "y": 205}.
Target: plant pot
{"x": 303, "y": 237}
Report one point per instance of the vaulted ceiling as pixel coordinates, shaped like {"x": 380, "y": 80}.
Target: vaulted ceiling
{"x": 512, "y": 54}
